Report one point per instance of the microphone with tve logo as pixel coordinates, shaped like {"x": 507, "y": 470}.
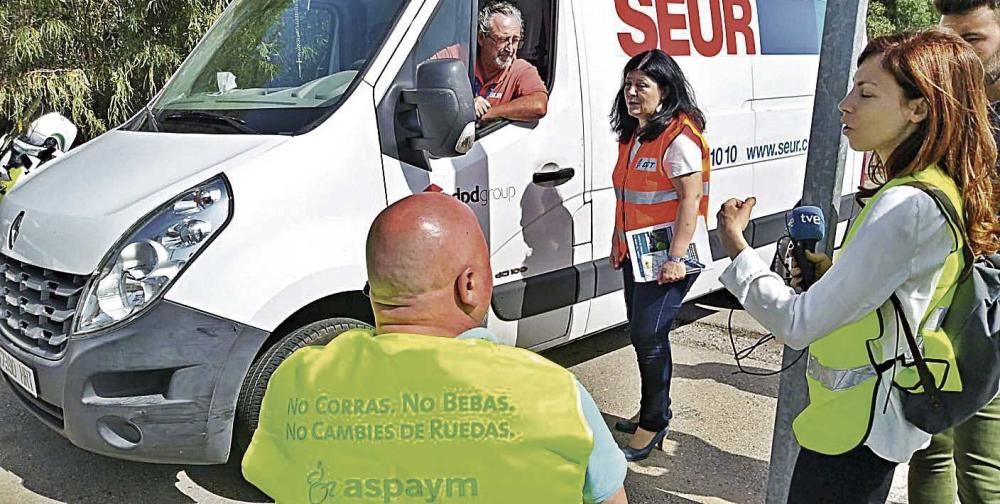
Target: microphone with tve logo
{"x": 806, "y": 227}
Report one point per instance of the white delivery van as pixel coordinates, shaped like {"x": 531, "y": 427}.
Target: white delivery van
{"x": 154, "y": 277}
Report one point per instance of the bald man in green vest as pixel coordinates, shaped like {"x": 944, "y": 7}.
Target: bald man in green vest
{"x": 428, "y": 407}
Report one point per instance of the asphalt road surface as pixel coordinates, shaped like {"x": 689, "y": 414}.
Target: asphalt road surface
{"x": 716, "y": 452}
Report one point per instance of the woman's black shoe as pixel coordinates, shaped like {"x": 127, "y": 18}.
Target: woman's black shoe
{"x": 634, "y": 454}
{"x": 626, "y": 426}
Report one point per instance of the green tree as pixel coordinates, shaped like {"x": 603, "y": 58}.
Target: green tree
{"x": 891, "y": 16}
{"x": 96, "y": 61}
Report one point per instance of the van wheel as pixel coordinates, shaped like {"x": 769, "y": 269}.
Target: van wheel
{"x": 255, "y": 384}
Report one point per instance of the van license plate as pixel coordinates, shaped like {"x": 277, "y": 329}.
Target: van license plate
{"x": 21, "y": 374}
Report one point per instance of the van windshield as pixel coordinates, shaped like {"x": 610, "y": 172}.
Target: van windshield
{"x": 271, "y": 67}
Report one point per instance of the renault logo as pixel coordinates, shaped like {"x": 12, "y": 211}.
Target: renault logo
{"x": 15, "y": 229}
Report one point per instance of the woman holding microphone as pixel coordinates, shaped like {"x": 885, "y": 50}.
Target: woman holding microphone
{"x": 661, "y": 177}
{"x": 918, "y": 102}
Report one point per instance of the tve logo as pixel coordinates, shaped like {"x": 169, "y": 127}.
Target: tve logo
{"x": 808, "y": 218}
{"x": 705, "y": 27}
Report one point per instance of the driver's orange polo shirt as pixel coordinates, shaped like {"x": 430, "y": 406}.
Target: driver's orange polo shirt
{"x": 519, "y": 79}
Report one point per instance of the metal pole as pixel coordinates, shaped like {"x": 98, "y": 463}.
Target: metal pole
{"x": 843, "y": 34}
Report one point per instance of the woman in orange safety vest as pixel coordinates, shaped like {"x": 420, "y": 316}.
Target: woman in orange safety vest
{"x": 661, "y": 178}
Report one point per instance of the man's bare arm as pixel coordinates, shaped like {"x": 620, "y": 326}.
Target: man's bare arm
{"x": 525, "y": 108}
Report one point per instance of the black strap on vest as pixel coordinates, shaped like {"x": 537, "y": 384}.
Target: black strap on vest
{"x": 951, "y": 215}
{"x": 926, "y": 377}
{"x": 955, "y": 224}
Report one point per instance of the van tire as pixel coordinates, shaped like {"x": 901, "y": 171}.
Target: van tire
{"x": 255, "y": 384}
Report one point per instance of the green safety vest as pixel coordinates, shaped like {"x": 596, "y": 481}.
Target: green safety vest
{"x": 401, "y": 418}
{"x": 841, "y": 377}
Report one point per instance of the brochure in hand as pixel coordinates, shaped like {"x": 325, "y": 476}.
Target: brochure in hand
{"x": 649, "y": 247}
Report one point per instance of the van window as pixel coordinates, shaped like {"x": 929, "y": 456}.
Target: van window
{"x": 273, "y": 66}
{"x": 450, "y": 28}
{"x": 539, "y": 36}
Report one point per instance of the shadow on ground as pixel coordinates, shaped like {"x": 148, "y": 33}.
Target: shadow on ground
{"x": 730, "y": 374}
{"x": 752, "y": 379}
{"x": 578, "y": 352}
{"x": 616, "y": 338}
{"x": 50, "y": 466}
{"x": 669, "y": 476}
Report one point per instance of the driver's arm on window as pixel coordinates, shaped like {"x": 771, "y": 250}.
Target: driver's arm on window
{"x": 530, "y": 97}
{"x": 525, "y": 108}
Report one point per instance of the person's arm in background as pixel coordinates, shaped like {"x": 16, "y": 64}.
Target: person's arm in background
{"x": 606, "y": 468}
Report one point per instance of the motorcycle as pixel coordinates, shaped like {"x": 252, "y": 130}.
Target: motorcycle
{"x": 23, "y": 156}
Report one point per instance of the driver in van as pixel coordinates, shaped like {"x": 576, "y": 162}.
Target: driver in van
{"x": 505, "y": 86}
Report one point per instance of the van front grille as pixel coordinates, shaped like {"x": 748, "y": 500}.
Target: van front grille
{"x": 37, "y": 306}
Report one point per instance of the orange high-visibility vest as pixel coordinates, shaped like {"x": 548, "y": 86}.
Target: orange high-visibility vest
{"x": 645, "y": 195}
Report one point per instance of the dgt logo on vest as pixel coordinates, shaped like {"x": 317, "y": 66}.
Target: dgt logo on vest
{"x": 730, "y": 22}
{"x": 646, "y": 164}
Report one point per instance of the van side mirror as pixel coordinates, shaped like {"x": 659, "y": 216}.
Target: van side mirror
{"x": 439, "y": 116}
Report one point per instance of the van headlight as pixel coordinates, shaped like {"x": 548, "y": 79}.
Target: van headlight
{"x": 152, "y": 255}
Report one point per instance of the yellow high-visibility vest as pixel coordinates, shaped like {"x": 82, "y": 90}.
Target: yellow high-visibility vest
{"x": 841, "y": 378}
{"x": 400, "y": 418}
{"x": 7, "y": 185}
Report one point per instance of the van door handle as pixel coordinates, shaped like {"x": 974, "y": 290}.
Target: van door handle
{"x": 553, "y": 178}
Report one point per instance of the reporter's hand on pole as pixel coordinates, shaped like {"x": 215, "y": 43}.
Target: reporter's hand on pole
{"x": 822, "y": 264}
{"x": 734, "y": 217}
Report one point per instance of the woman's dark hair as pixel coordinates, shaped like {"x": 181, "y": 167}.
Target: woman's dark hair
{"x": 677, "y": 97}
